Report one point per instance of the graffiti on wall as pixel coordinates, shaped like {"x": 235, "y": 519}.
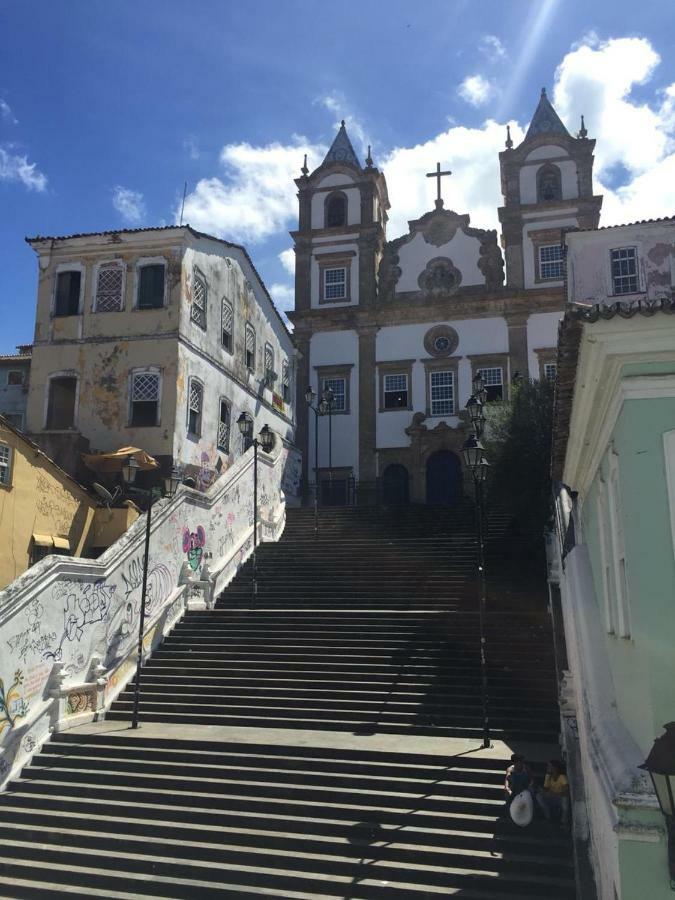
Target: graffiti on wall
{"x": 161, "y": 581}
{"x": 54, "y": 504}
{"x": 31, "y": 639}
{"x": 85, "y": 603}
{"x": 12, "y": 705}
{"x": 193, "y": 546}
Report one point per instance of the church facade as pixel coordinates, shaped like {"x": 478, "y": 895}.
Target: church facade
{"x": 396, "y": 330}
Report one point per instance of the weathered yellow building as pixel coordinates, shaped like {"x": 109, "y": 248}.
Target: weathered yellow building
{"x": 42, "y": 509}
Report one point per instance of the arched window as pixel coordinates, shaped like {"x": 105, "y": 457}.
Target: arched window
{"x": 336, "y": 210}
{"x": 549, "y": 186}
{"x": 195, "y": 406}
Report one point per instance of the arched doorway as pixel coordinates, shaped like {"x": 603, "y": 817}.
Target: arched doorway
{"x": 444, "y": 478}
{"x": 395, "y": 485}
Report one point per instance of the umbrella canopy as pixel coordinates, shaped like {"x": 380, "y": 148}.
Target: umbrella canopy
{"x": 113, "y": 462}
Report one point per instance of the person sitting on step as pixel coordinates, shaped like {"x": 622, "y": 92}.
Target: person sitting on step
{"x": 518, "y": 778}
{"x": 554, "y": 799}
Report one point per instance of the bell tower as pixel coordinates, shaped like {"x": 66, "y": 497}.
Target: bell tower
{"x": 547, "y": 184}
{"x": 341, "y": 230}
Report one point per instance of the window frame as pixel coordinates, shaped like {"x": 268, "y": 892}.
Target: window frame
{"x": 194, "y": 381}
{"x": 336, "y": 195}
{"x": 8, "y": 466}
{"x": 198, "y": 277}
{"x": 250, "y": 330}
{"x": 269, "y": 371}
{"x": 326, "y": 382}
{"x": 394, "y": 367}
{"x": 224, "y": 402}
{"x": 329, "y": 270}
{"x": 63, "y": 269}
{"x": 500, "y": 384}
{"x": 453, "y": 400}
{"x": 285, "y": 381}
{"x": 550, "y": 365}
{"x": 146, "y": 370}
{"x": 549, "y": 169}
{"x": 141, "y": 264}
{"x": 21, "y": 373}
{"x": 543, "y": 263}
{"x": 225, "y": 301}
{"x": 636, "y": 275}
{"x": 105, "y": 265}
{"x": 481, "y": 361}
{"x": 76, "y": 406}
{"x": 331, "y": 261}
{"x": 343, "y": 371}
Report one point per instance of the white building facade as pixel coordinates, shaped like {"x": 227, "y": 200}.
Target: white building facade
{"x": 156, "y": 338}
{"x": 398, "y": 329}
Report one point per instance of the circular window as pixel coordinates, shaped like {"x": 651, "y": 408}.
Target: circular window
{"x": 441, "y": 340}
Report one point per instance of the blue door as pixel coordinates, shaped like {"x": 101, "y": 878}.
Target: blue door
{"x": 444, "y": 478}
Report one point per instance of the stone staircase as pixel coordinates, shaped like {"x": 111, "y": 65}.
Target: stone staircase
{"x": 320, "y": 744}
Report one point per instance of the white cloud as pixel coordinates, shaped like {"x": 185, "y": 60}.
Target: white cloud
{"x": 129, "y": 204}
{"x": 283, "y": 296}
{"x": 191, "y": 146}
{"x": 476, "y": 90}
{"x": 14, "y": 167}
{"x": 287, "y": 258}
{"x": 6, "y": 113}
{"x": 257, "y": 196}
{"x": 492, "y": 47}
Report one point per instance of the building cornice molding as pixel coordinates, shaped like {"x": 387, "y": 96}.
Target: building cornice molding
{"x": 605, "y": 349}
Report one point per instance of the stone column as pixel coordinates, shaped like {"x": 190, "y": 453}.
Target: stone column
{"x": 512, "y": 232}
{"x": 517, "y": 326}
{"x": 302, "y": 340}
{"x": 303, "y": 269}
{"x": 367, "y": 402}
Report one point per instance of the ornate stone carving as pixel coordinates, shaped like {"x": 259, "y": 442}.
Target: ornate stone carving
{"x": 441, "y": 340}
{"x": 389, "y": 271}
{"x": 440, "y": 277}
{"x": 491, "y": 262}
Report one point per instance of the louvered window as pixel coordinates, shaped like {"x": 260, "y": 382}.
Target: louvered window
{"x": 109, "y": 286}
{"x": 195, "y": 404}
{"x": 269, "y": 365}
{"x": 227, "y": 315}
{"x": 199, "y": 296}
{"x": 5, "y": 464}
{"x": 151, "y": 286}
{"x": 145, "y": 398}
{"x": 286, "y": 382}
{"x": 224, "y": 427}
{"x": 250, "y": 347}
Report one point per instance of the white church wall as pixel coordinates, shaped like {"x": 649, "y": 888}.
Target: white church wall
{"x": 529, "y": 249}
{"x": 336, "y": 348}
{"x": 315, "y": 274}
{"x": 463, "y": 250}
{"x": 542, "y": 332}
{"x": 568, "y": 174}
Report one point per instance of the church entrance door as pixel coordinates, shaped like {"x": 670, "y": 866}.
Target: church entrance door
{"x": 395, "y": 485}
{"x": 444, "y": 478}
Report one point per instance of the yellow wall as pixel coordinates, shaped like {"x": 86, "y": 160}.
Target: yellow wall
{"x": 40, "y": 499}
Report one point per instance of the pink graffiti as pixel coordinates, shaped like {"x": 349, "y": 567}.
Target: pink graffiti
{"x": 193, "y": 544}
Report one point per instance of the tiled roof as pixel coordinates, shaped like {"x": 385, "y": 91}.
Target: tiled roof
{"x": 341, "y": 150}
{"x": 199, "y": 234}
{"x": 24, "y": 354}
{"x": 623, "y": 225}
{"x": 545, "y": 119}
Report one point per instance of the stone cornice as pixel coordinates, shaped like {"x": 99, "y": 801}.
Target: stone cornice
{"x": 405, "y": 312}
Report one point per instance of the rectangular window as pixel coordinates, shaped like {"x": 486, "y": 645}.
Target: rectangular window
{"x": 395, "y": 392}
{"x": 61, "y": 403}
{"x": 442, "y": 393}
{"x": 249, "y": 348}
{"x": 199, "y": 297}
{"x": 335, "y": 283}
{"x": 195, "y": 403}
{"x": 269, "y": 365}
{"x": 550, "y": 370}
{"x": 224, "y": 427}
{"x": 145, "y": 398}
{"x": 624, "y": 270}
{"x": 286, "y": 382}
{"x": 15, "y": 377}
{"x": 551, "y": 264}
{"x": 68, "y": 293}
{"x": 227, "y": 325}
{"x": 5, "y": 464}
{"x": 151, "y": 286}
{"x": 492, "y": 379}
{"x": 109, "y": 287}
{"x": 339, "y": 389}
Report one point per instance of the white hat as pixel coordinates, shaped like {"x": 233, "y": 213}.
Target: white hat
{"x": 522, "y": 809}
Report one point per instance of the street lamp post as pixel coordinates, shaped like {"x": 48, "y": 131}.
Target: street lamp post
{"x": 326, "y": 409}
{"x": 474, "y": 460}
{"x": 129, "y": 472}
{"x": 265, "y": 440}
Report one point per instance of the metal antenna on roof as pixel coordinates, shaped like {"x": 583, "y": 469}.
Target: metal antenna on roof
{"x": 182, "y": 208}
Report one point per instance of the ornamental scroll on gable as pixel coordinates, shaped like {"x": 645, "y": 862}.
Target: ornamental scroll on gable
{"x": 441, "y": 256}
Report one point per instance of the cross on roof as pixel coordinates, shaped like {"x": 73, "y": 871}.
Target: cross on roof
{"x": 438, "y": 175}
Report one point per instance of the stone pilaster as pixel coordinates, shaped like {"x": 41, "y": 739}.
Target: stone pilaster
{"x": 302, "y": 340}
{"x": 367, "y": 402}
{"x": 303, "y": 270}
{"x": 512, "y": 241}
{"x": 517, "y": 326}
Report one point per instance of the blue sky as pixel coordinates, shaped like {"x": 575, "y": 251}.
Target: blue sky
{"x": 107, "y": 108}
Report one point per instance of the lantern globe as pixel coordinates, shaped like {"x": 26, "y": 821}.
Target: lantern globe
{"x": 310, "y": 396}
{"x": 266, "y": 438}
{"x": 245, "y": 423}
{"x": 660, "y": 764}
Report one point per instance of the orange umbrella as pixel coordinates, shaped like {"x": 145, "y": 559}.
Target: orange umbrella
{"x": 113, "y": 462}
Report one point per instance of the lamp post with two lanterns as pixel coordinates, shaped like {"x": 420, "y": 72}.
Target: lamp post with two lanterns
{"x": 129, "y": 471}
{"x": 324, "y": 408}
{"x": 474, "y": 459}
{"x": 265, "y": 440}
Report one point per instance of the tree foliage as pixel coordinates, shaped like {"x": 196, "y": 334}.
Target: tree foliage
{"x": 518, "y": 448}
